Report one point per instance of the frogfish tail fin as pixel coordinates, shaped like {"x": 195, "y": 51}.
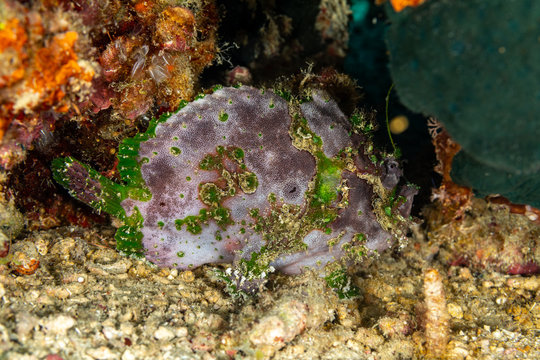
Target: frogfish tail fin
{"x": 89, "y": 186}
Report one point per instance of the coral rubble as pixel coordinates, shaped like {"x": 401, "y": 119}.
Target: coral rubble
{"x": 487, "y": 236}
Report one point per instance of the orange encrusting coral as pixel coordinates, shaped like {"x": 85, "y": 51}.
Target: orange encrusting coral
{"x": 37, "y": 67}
{"x": 54, "y": 66}
{"x": 13, "y": 38}
{"x": 13, "y": 59}
{"x": 143, "y": 6}
{"x": 33, "y": 76}
{"x": 399, "y": 5}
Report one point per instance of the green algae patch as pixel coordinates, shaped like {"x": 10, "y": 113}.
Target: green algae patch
{"x": 356, "y": 249}
{"x": 194, "y": 223}
{"x": 340, "y": 281}
{"x": 242, "y": 178}
{"x": 249, "y": 277}
{"x": 248, "y": 182}
{"x": 210, "y": 194}
{"x": 223, "y": 116}
{"x": 328, "y": 179}
{"x": 129, "y": 236}
{"x": 210, "y": 162}
{"x": 238, "y": 153}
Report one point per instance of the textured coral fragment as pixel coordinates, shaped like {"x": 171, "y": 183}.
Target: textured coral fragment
{"x": 455, "y": 199}
{"x": 437, "y": 318}
{"x": 161, "y": 63}
{"x": 175, "y": 27}
{"x": 487, "y": 236}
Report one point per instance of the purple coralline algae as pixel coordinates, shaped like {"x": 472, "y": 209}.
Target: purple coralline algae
{"x": 258, "y": 178}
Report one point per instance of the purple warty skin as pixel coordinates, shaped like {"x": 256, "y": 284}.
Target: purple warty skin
{"x": 281, "y": 152}
{"x": 247, "y": 176}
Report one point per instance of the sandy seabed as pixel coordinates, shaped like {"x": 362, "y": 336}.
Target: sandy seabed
{"x": 86, "y": 301}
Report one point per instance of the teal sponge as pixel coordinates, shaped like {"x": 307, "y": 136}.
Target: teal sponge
{"x": 475, "y": 65}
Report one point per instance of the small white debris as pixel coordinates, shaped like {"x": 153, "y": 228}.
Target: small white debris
{"x": 59, "y": 324}
{"x": 128, "y": 355}
{"x": 181, "y": 332}
{"x": 102, "y": 353}
{"x": 110, "y": 332}
{"x": 163, "y": 333}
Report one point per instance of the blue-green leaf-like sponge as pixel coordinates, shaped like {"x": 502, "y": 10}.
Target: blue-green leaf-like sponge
{"x": 475, "y": 65}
